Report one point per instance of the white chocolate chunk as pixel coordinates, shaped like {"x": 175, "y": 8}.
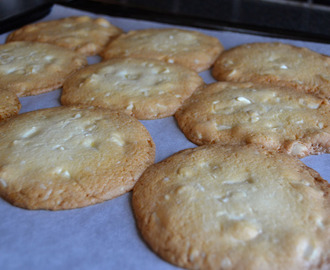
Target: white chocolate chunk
{"x": 3, "y": 182}
{"x": 29, "y": 132}
{"x": 222, "y": 127}
{"x": 116, "y": 138}
{"x": 243, "y": 100}
{"x": 130, "y": 106}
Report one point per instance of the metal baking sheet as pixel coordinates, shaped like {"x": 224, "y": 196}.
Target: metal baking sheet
{"x": 104, "y": 236}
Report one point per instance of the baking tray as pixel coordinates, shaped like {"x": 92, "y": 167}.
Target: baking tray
{"x": 104, "y": 236}
{"x": 15, "y": 13}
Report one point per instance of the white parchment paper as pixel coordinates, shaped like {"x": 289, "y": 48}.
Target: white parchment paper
{"x": 104, "y": 236}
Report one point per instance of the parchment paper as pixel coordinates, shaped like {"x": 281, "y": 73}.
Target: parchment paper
{"x": 104, "y": 236}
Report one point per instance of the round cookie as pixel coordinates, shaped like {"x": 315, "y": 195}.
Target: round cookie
{"x": 65, "y": 157}
{"x": 188, "y": 48}
{"x": 82, "y": 34}
{"x": 31, "y": 68}
{"x": 144, "y": 88}
{"x": 233, "y": 207}
{"x": 9, "y": 104}
{"x": 243, "y": 113}
{"x": 276, "y": 64}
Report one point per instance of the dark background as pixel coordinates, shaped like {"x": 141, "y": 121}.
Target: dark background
{"x": 294, "y": 19}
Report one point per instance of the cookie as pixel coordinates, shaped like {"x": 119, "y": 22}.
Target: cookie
{"x": 9, "y": 105}
{"x": 144, "y": 88}
{"x": 65, "y": 157}
{"x": 235, "y": 207}
{"x": 188, "y": 48}
{"x": 83, "y": 34}
{"x": 276, "y": 64}
{"x": 243, "y": 113}
{"x": 31, "y": 68}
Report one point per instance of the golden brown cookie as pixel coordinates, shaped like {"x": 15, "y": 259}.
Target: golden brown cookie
{"x": 243, "y": 113}
{"x": 64, "y": 157}
{"x": 235, "y": 207}
{"x": 276, "y": 64}
{"x": 9, "y": 104}
{"x": 31, "y": 68}
{"x": 188, "y": 48}
{"x": 82, "y": 34}
{"x": 144, "y": 88}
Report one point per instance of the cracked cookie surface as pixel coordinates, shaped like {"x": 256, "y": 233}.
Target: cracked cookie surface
{"x": 65, "y": 157}
{"x": 276, "y": 64}
{"x": 143, "y": 88}
{"x": 234, "y": 207}
{"x": 82, "y": 34}
{"x": 31, "y": 68}
{"x": 243, "y": 113}
{"x": 188, "y": 48}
